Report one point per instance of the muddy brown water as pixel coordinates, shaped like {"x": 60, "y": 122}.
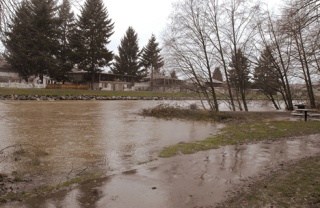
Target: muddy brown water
{"x": 110, "y": 136}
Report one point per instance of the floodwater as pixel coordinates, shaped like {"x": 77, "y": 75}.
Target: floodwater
{"x": 81, "y": 134}
{"x": 80, "y": 137}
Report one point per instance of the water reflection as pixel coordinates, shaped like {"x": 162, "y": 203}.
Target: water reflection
{"x": 198, "y": 180}
{"x": 76, "y": 135}
{"x": 112, "y": 137}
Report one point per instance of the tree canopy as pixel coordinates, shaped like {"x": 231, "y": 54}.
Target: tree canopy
{"x": 94, "y": 29}
{"x": 127, "y": 60}
{"x": 31, "y": 41}
{"x": 151, "y": 58}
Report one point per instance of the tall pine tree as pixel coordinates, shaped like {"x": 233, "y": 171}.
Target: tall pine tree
{"x": 18, "y": 41}
{"x": 94, "y": 31}
{"x": 32, "y": 40}
{"x": 44, "y": 36}
{"x": 65, "y": 52}
{"x": 151, "y": 58}
{"x": 127, "y": 62}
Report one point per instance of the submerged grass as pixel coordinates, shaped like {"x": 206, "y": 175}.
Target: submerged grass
{"x": 48, "y": 189}
{"x": 243, "y": 127}
{"x": 245, "y": 133}
{"x": 297, "y": 185}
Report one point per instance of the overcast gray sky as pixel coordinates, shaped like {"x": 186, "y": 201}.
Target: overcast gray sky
{"x": 147, "y": 17}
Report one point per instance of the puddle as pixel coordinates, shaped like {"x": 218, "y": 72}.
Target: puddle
{"x": 199, "y": 180}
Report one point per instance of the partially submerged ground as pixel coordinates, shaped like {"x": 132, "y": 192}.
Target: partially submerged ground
{"x": 241, "y": 128}
{"x": 295, "y": 184}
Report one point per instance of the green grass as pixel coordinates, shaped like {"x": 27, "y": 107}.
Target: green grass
{"x": 48, "y": 92}
{"x": 297, "y": 185}
{"x": 245, "y": 133}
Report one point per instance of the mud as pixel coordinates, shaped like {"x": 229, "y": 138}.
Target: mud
{"x": 204, "y": 179}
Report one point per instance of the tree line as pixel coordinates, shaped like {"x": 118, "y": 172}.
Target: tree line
{"x": 253, "y": 46}
{"x": 45, "y": 38}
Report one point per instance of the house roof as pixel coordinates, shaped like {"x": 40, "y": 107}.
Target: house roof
{"x": 5, "y": 66}
{"x": 159, "y": 76}
{"x": 214, "y": 81}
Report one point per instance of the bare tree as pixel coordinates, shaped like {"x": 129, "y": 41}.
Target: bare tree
{"x": 281, "y": 46}
{"x": 7, "y": 9}
{"x": 188, "y": 44}
{"x": 297, "y": 23}
{"x": 240, "y": 32}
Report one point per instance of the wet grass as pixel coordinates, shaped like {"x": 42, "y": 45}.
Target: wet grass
{"x": 192, "y": 112}
{"x": 147, "y": 161}
{"x": 245, "y": 133}
{"x": 167, "y": 111}
{"x": 297, "y": 185}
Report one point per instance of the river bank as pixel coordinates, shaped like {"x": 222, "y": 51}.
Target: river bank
{"x": 87, "y": 97}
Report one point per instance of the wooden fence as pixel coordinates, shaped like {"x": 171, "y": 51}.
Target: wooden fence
{"x": 67, "y": 86}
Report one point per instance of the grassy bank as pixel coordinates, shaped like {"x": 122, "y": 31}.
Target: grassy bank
{"x": 296, "y": 185}
{"x": 243, "y": 127}
{"x": 245, "y": 133}
{"x": 5, "y": 91}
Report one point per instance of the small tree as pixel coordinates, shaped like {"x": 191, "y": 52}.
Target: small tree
{"x": 127, "y": 62}
{"x": 239, "y": 76}
{"x": 151, "y": 59}
{"x": 94, "y": 31}
{"x": 266, "y": 77}
{"x": 217, "y": 75}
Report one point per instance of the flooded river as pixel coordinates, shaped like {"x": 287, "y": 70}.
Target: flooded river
{"x": 69, "y": 138}
{"x": 77, "y": 135}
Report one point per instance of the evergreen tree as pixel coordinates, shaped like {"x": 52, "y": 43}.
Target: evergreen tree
{"x": 239, "y": 76}
{"x": 151, "y": 59}
{"x": 127, "y": 62}
{"x": 217, "y": 75}
{"x": 44, "y": 24}
{"x": 18, "y": 41}
{"x": 173, "y": 74}
{"x": 266, "y": 78}
{"x": 65, "y": 53}
{"x": 94, "y": 30}
{"x": 32, "y": 40}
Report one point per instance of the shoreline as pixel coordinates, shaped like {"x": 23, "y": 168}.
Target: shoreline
{"x": 86, "y": 97}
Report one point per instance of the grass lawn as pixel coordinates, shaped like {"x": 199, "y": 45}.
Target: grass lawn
{"x": 246, "y": 133}
{"x": 54, "y": 92}
{"x": 296, "y": 185}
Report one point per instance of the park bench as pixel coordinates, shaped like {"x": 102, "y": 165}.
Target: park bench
{"x": 303, "y": 111}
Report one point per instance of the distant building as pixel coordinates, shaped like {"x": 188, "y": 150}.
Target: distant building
{"x": 9, "y": 78}
{"x": 7, "y": 73}
{"x": 162, "y": 83}
{"x": 104, "y": 80}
